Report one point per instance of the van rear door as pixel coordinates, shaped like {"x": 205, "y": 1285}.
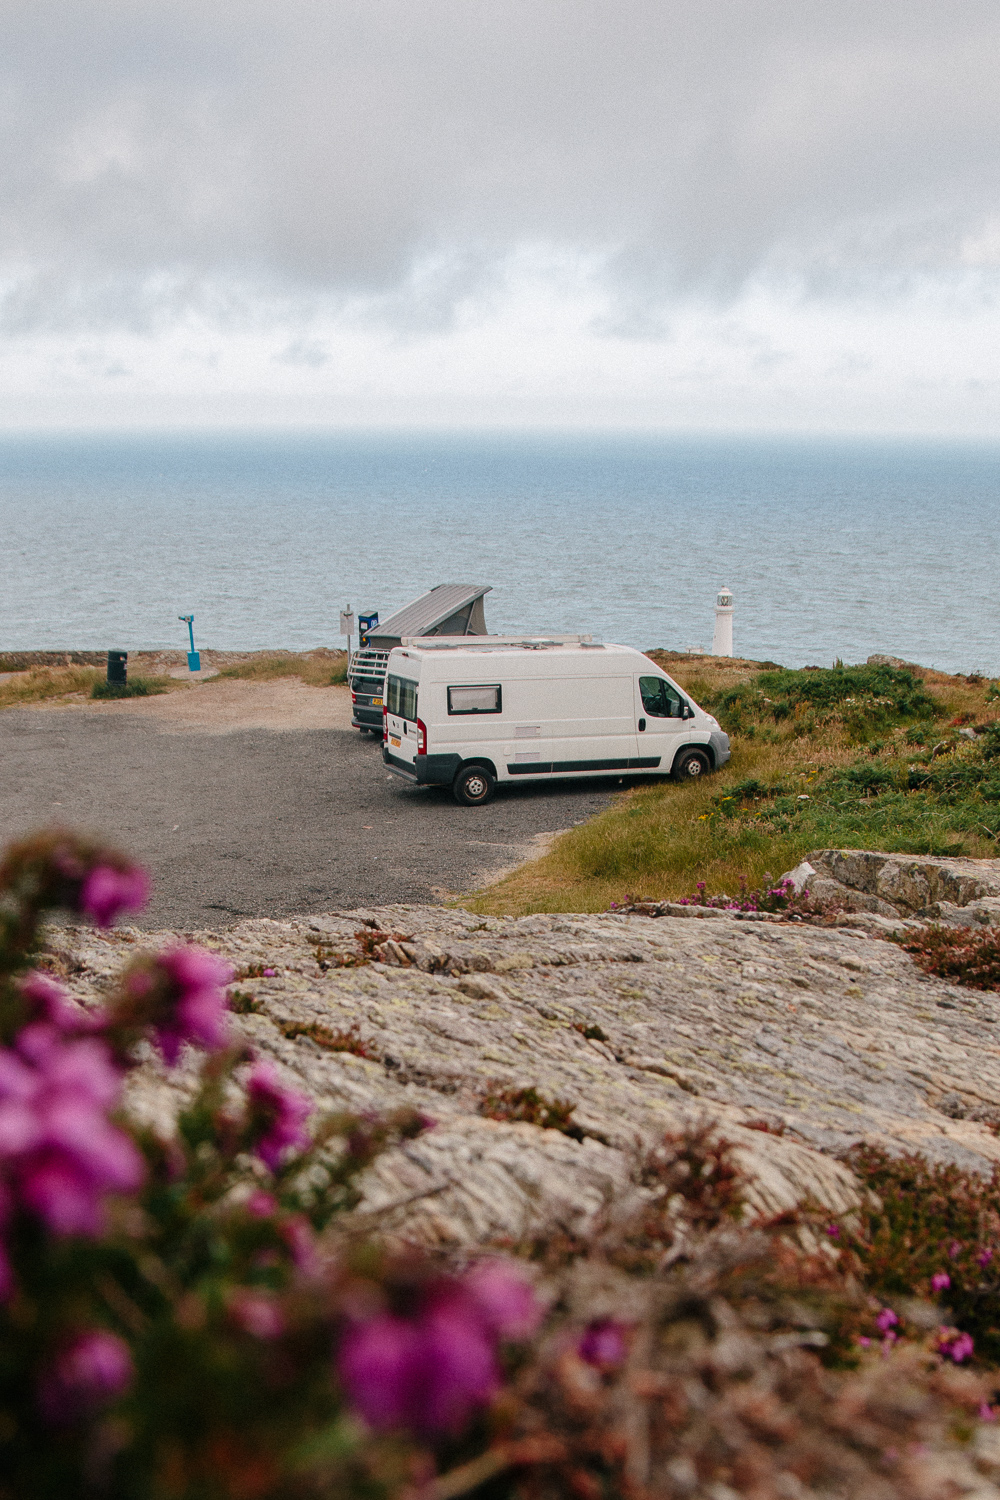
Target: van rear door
{"x": 401, "y": 722}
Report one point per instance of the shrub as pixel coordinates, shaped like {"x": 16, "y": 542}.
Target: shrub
{"x": 931, "y": 1231}
{"x": 965, "y": 955}
{"x": 864, "y": 700}
{"x": 136, "y": 687}
{"x": 533, "y": 1108}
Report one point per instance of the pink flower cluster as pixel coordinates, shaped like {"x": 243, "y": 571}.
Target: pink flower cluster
{"x": 85, "y": 1375}
{"x": 604, "y": 1344}
{"x": 428, "y": 1371}
{"x": 192, "y": 1000}
{"x": 277, "y": 1115}
{"x": 60, "y": 1156}
{"x": 940, "y": 1281}
{"x": 106, "y": 892}
{"x": 954, "y": 1345}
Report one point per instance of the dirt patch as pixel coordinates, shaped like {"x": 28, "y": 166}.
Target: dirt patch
{"x": 224, "y": 706}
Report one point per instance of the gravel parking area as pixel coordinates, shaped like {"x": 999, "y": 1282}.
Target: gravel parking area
{"x": 249, "y": 799}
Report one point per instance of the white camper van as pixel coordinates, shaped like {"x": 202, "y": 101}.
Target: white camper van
{"x": 509, "y": 709}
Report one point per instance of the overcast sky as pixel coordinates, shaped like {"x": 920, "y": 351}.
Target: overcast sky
{"x": 777, "y": 215}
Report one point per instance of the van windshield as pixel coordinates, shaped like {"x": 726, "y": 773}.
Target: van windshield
{"x": 401, "y": 698}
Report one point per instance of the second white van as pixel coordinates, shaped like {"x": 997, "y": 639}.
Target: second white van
{"x": 555, "y": 708}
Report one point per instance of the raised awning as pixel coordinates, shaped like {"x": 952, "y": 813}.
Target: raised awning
{"x": 449, "y": 609}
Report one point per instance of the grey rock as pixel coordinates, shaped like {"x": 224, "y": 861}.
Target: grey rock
{"x": 962, "y": 892}
{"x": 830, "y": 1031}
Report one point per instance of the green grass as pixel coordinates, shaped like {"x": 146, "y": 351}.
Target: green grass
{"x": 866, "y": 757}
{"x": 136, "y": 687}
{"x": 315, "y": 668}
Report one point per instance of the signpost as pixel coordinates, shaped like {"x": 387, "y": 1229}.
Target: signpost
{"x": 194, "y": 657}
{"x": 347, "y": 628}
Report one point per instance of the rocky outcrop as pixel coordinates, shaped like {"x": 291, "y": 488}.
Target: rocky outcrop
{"x": 957, "y": 892}
{"x": 797, "y": 1040}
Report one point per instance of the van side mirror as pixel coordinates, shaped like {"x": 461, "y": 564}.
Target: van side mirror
{"x": 687, "y": 712}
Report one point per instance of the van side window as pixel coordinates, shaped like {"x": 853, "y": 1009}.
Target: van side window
{"x": 401, "y": 698}
{"x": 475, "y": 700}
{"x": 659, "y": 699}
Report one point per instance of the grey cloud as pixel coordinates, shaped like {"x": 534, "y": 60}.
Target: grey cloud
{"x": 389, "y": 156}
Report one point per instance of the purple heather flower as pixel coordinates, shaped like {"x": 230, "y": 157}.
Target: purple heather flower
{"x": 261, "y": 1205}
{"x": 426, "y": 1374}
{"x": 59, "y": 1152}
{"x": 865, "y": 1343}
{"x": 269, "y": 973}
{"x": 50, "y": 1004}
{"x": 603, "y": 1344}
{"x": 279, "y": 1114}
{"x": 984, "y": 1257}
{"x": 377, "y": 1360}
{"x": 197, "y": 1007}
{"x": 986, "y": 1412}
{"x": 833, "y": 1230}
{"x": 86, "y": 1375}
{"x": 954, "y": 1345}
{"x": 257, "y": 1313}
{"x": 940, "y": 1281}
{"x": 106, "y": 892}
{"x": 955, "y": 1249}
{"x": 886, "y": 1319}
{"x": 504, "y": 1299}
{"x": 298, "y": 1235}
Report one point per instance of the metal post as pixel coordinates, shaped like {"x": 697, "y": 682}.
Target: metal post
{"x": 347, "y": 628}
{"x": 194, "y": 657}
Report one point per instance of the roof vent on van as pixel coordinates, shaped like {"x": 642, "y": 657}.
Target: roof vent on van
{"x": 484, "y": 642}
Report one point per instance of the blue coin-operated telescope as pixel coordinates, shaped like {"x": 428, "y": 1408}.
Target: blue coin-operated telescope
{"x": 366, "y": 623}
{"x": 194, "y": 657}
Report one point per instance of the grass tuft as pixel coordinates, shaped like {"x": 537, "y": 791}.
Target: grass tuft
{"x": 38, "y": 683}
{"x": 136, "y": 687}
{"x": 314, "y": 668}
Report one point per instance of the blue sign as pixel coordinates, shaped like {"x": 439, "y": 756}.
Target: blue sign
{"x": 365, "y": 624}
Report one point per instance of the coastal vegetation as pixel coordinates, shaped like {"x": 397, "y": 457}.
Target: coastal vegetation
{"x": 320, "y": 668}
{"x": 873, "y": 757}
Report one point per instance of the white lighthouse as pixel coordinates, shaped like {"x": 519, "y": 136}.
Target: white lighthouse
{"x": 722, "y": 640}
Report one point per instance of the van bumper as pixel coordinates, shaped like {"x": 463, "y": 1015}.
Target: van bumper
{"x": 366, "y": 718}
{"x": 719, "y": 742}
{"x": 425, "y": 770}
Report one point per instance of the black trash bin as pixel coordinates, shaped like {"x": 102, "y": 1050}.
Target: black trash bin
{"x": 118, "y": 667}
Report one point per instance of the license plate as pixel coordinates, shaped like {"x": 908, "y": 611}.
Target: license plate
{"x": 393, "y": 741}
{"x": 377, "y": 702}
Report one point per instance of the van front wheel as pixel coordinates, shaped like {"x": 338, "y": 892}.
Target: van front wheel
{"x": 691, "y": 764}
{"x": 473, "y": 786}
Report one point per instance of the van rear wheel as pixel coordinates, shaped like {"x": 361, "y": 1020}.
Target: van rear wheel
{"x": 690, "y": 765}
{"x": 473, "y": 786}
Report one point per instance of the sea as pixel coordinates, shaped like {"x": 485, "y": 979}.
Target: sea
{"x": 834, "y": 550}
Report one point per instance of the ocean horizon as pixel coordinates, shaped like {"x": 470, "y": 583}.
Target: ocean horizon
{"x": 834, "y": 548}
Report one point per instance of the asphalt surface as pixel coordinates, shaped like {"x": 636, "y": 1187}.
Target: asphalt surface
{"x": 258, "y": 822}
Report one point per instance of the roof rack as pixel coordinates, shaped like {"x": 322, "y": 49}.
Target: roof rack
{"x": 479, "y": 642}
